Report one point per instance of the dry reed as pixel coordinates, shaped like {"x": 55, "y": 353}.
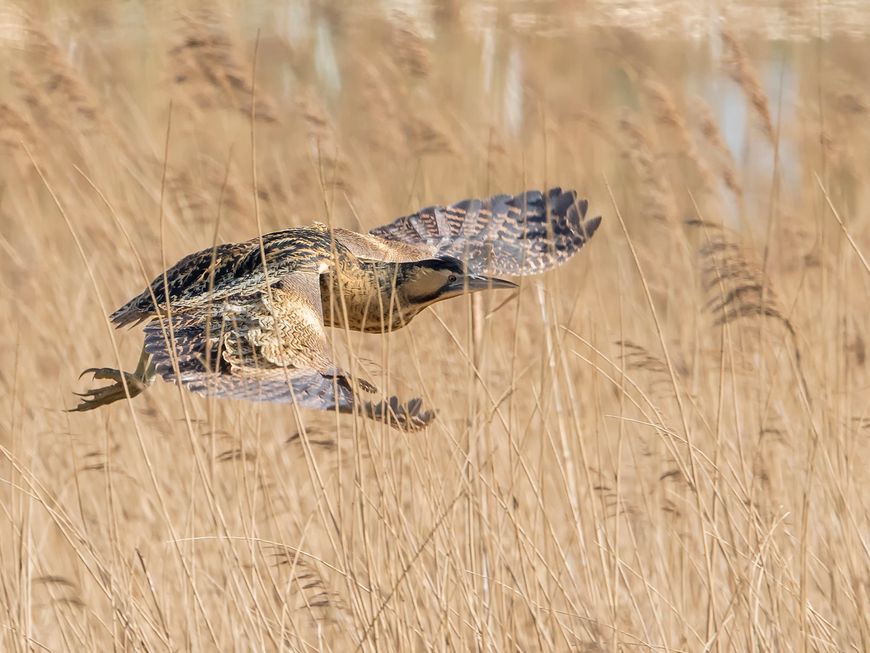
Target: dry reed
{"x": 698, "y": 486}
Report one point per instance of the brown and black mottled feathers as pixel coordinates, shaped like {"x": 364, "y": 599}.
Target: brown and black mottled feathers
{"x": 520, "y": 235}
{"x": 212, "y": 274}
{"x": 237, "y": 328}
{"x": 267, "y": 346}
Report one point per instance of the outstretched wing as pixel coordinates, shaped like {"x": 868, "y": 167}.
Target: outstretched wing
{"x": 520, "y": 235}
{"x": 265, "y": 346}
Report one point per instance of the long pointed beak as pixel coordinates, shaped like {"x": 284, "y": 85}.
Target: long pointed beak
{"x": 480, "y": 282}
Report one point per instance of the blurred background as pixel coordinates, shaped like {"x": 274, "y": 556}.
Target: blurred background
{"x": 660, "y": 446}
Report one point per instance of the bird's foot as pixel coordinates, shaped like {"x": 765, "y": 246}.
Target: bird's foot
{"x": 405, "y": 417}
{"x": 137, "y": 382}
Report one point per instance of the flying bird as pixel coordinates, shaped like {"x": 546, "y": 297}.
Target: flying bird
{"x": 247, "y": 320}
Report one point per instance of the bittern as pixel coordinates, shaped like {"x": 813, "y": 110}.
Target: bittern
{"x": 247, "y": 320}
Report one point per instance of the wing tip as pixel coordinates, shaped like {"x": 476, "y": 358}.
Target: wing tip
{"x": 406, "y": 417}
{"x": 567, "y": 205}
{"x": 590, "y": 226}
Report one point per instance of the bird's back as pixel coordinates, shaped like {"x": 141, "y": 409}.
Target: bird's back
{"x": 215, "y": 273}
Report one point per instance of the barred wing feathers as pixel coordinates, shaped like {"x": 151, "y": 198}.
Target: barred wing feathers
{"x": 520, "y": 235}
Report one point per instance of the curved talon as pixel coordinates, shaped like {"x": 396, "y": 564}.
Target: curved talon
{"x": 95, "y": 397}
{"x": 107, "y": 373}
{"x": 104, "y": 373}
{"x": 87, "y": 371}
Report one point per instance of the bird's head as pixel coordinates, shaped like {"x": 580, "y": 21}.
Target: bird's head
{"x": 422, "y": 283}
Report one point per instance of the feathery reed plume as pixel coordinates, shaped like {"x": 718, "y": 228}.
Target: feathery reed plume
{"x": 60, "y": 83}
{"x": 612, "y": 504}
{"x": 59, "y": 98}
{"x": 317, "y": 122}
{"x": 324, "y": 149}
{"x": 500, "y": 162}
{"x": 668, "y": 116}
{"x": 746, "y": 290}
{"x": 637, "y": 149}
{"x": 742, "y": 71}
{"x": 377, "y": 94}
{"x": 637, "y": 357}
{"x": 323, "y": 445}
{"x": 62, "y": 590}
{"x": 14, "y": 129}
{"x": 409, "y": 46}
{"x": 310, "y": 588}
{"x": 315, "y": 438}
{"x": 423, "y": 133}
{"x": 852, "y": 102}
{"x": 237, "y": 453}
{"x": 738, "y": 288}
{"x": 425, "y": 137}
{"x": 33, "y": 98}
{"x": 594, "y": 124}
{"x": 377, "y": 100}
{"x": 725, "y": 160}
{"x": 193, "y": 190}
{"x": 207, "y": 65}
{"x": 62, "y": 101}
{"x": 49, "y": 579}
{"x": 857, "y": 349}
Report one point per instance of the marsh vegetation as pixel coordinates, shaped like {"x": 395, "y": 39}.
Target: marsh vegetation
{"x": 661, "y": 446}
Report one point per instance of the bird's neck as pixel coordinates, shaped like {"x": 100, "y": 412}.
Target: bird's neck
{"x": 366, "y": 296}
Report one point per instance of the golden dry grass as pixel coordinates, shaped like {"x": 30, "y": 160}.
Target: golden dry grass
{"x": 662, "y": 446}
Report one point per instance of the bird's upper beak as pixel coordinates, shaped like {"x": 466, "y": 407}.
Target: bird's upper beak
{"x": 474, "y": 282}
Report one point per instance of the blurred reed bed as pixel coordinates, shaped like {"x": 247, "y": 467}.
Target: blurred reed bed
{"x": 658, "y": 447}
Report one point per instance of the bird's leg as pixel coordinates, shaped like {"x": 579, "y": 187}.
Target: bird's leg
{"x": 136, "y": 383}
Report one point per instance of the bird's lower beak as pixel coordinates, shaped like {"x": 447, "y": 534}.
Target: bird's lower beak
{"x": 481, "y": 282}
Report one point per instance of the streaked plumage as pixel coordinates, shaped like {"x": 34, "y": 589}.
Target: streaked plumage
{"x": 234, "y": 328}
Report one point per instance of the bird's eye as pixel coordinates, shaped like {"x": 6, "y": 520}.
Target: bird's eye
{"x": 452, "y": 278}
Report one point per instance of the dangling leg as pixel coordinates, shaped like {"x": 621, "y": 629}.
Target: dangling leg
{"x": 137, "y": 382}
